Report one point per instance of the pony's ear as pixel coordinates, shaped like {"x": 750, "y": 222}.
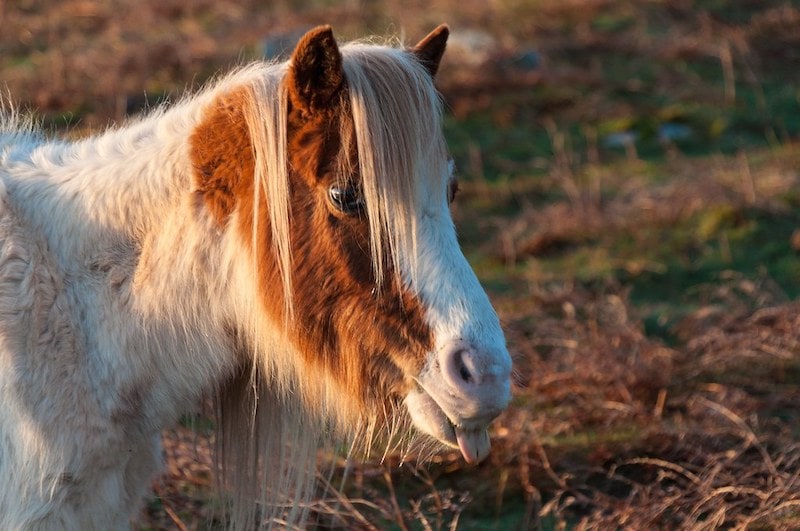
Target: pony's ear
{"x": 315, "y": 74}
{"x": 429, "y": 50}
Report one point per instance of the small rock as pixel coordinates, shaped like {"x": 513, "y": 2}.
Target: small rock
{"x": 621, "y": 139}
{"x": 471, "y": 47}
{"x": 526, "y": 60}
{"x": 671, "y": 131}
{"x": 795, "y": 241}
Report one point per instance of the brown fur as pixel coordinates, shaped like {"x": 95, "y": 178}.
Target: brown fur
{"x": 222, "y": 156}
{"x": 430, "y": 50}
{"x": 371, "y": 342}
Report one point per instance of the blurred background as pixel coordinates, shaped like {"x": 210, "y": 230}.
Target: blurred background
{"x": 630, "y": 199}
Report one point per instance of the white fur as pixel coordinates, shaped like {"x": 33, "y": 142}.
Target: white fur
{"x": 106, "y": 331}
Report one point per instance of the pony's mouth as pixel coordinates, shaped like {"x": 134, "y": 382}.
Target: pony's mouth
{"x": 471, "y": 437}
{"x": 458, "y": 393}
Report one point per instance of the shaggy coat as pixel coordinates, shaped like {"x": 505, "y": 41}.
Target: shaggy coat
{"x": 280, "y": 241}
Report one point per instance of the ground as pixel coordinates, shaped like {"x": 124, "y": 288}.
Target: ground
{"x": 630, "y": 199}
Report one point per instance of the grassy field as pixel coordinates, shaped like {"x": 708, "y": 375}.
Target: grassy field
{"x": 630, "y": 200}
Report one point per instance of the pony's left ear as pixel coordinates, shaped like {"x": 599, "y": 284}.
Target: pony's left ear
{"x": 315, "y": 74}
{"x": 429, "y": 50}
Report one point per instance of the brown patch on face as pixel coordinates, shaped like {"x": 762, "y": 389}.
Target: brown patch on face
{"x": 371, "y": 343}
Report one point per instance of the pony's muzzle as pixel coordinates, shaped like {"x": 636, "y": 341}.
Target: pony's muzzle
{"x": 462, "y": 390}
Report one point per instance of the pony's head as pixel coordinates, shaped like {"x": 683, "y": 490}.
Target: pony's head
{"x": 342, "y": 194}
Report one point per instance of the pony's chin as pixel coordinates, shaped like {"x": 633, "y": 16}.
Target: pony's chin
{"x": 430, "y": 418}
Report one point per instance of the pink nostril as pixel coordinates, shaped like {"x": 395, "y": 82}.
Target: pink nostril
{"x": 459, "y": 366}
{"x": 465, "y": 375}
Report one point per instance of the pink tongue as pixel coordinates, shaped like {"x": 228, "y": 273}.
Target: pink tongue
{"x": 474, "y": 445}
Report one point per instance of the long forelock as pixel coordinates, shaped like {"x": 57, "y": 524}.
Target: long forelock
{"x": 402, "y": 159}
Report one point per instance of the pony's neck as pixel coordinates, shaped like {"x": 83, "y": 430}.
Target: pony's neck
{"x": 147, "y": 271}
{"x": 104, "y": 190}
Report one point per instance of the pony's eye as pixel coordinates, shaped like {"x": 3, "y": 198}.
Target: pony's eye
{"x": 346, "y": 199}
{"x": 452, "y": 190}
{"x": 452, "y": 184}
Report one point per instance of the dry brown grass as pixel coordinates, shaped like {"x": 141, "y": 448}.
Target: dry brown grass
{"x": 666, "y": 438}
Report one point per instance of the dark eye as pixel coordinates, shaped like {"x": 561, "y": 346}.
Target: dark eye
{"x": 452, "y": 190}
{"x": 346, "y": 199}
{"x": 452, "y": 184}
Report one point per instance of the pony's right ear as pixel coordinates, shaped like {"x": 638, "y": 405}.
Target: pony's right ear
{"x": 430, "y": 50}
{"x": 315, "y": 74}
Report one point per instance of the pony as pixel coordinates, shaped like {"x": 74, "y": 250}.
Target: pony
{"x": 280, "y": 241}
